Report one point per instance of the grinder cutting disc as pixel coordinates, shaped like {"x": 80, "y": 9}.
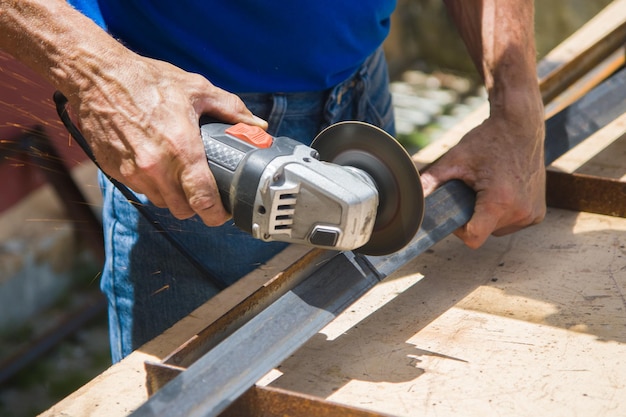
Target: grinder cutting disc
{"x": 400, "y": 194}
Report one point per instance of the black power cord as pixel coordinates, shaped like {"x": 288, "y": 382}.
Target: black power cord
{"x": 61, "y": 106}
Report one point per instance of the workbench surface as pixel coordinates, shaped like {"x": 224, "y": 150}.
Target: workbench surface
{"x": 533, "y": 324}
{"x": 530, "y": 324}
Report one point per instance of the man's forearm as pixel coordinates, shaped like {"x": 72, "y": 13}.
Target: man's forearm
{"x": 55, "y": 40}
{"x": 502, "y": 158}
{"x": 499, "y": 35}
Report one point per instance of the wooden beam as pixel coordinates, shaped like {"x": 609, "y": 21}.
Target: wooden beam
{"x": 599, "y": 38}
{"x": 597, "y": 48}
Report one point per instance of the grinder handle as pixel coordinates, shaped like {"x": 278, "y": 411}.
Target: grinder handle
{"x": 226, "y": 146}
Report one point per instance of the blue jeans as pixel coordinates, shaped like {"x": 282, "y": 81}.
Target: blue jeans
{"x": 148, "y": 283}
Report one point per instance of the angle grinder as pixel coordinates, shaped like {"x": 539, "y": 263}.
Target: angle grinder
{"x": 354, "y": 188}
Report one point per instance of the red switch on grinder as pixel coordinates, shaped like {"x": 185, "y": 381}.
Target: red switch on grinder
{"x": 253, "y": 135}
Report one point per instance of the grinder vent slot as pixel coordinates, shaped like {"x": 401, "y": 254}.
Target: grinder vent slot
{"x": 283, "y": 208}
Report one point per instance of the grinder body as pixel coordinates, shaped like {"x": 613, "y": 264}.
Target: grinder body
{"x": 355, "y": 188}
{"x": 276, "y": 188}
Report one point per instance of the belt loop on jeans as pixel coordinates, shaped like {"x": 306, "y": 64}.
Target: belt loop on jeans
{"x": 355, "y": 82}
{"x": 279, "y": 106}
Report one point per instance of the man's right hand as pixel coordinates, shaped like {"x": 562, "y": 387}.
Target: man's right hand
{"x": 142, "y": 123}
{"x": 139, "y": 115}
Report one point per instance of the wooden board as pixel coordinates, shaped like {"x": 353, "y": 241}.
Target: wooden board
{"x": 602, "y": 155}
{"x": 530, "y": 324}
{"x": 565, "y": 74}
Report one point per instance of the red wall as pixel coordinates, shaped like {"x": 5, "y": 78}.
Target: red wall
{"x": 26, "y": 102}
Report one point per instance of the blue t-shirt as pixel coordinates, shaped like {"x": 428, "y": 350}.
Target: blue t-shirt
{"x": 251, "y": 45}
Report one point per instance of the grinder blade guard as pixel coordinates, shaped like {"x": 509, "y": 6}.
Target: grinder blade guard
{"x": 379, "y": 155}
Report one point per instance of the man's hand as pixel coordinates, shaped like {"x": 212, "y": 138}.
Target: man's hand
{"x": 502, "y": 159}
{"x": 142, "y": 124}
{"x": 140, "y": 116}
{"x": 503, "y": 163}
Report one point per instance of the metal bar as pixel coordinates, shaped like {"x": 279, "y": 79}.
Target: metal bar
{"x": 447, "y": 209}
{"x": 571, "y": 71}
{"x": 586, "y": 193}
{"x": 278, "y": 331}
{"x": 255, "y": 303}
{"x": 586, "y": 83}
{"x": 275, "y": 402}
{"x": 159, "y": 373}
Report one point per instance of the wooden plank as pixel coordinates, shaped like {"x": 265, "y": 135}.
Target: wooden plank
{"x": 531, "y": 324}
{"x": 590, "y": 148}
{"x": 604, "y": 163}
{"x": 594, "y": 43}
{"x": 582, "y": 51}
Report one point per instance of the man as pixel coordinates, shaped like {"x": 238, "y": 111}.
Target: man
{"x": 298, "y": 67}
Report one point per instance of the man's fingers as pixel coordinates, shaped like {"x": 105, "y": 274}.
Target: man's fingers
{"x": 497, "y": 219}
{"x": 184, "y": 188}
{"x": 176, "y": 201}
{"x": 202, "y": 195}
{"x": 193, "y": 194}
{"x": 197, "y": 197}
{"x": 164, "y": 158}
{"x": 429, "y": 182}
{"x": 479, "y": 227}
{"x": 226, "y": 107}
{"x": 443, "y": 170}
